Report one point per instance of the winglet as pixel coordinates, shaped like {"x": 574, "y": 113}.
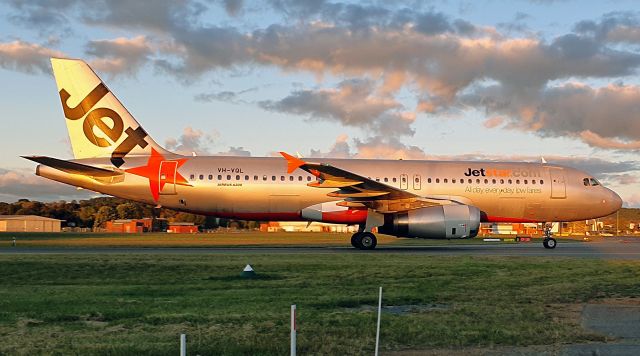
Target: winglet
{"x": 293, "y": 163}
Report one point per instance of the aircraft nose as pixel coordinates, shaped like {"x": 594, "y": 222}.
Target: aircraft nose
{"x": 613, "y": 201}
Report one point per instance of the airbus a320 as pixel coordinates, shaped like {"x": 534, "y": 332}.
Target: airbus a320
{"x": 114, "y": 155}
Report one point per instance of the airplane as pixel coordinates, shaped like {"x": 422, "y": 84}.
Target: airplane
{"x": 114, "y": 155}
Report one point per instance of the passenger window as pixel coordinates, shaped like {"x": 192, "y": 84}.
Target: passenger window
{"x": 308, "y": 178}
{"x": 282, "y": 178}
{"x": 273, "y": 178}
{"x": 219, "y": 176}
{"x": 229, "y": 177}
{"x": 470, "y": 181}
{"x": 533, "y": 181}
{"x": 486, "y": 181}
{"x": 395, "y": 179}
{"x": 428, "y": 180}
{"x": 510, "y": 181}
{"x": 377, "y": 179}
{"x": 300, "y": 178}
{"x": 386, "y": 179}
{"x": 255, "y": 177}
{"x": 501, "y": 181}
{"x": 477, "y": 181}
{"x": 585, "y": 182}
{"x": 493, "y": 181}
{"x": 526, "y": 181}
{"x": 453, "y": 180}
{"x": 404, "y": 179}
{"x": 210, "y": 176}
{"x": 192, "y": 177}
{"x": 517, "y": 181}
{"x": 264, "y": 177}
{"x": 417, "y": 180}
{"x": 201, "y": 177}
{"x": 445, "y": 180}
{"x": 437, "y": 180}
{"x": 541, "y": 181}
{"x": 291, "y": 178}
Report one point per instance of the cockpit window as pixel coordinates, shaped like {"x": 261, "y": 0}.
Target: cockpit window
{"x": 590, "y": 182}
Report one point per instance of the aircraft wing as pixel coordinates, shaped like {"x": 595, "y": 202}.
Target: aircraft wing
{"x": 73, "y": 167}
{"x": 360, "y": 192}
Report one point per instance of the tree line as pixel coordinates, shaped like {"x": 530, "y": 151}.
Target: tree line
{"x": 95, "y": 212}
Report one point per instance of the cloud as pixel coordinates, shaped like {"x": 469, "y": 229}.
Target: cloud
{"x": 615, "y": 27}
{"x": 595, "y": 140}
{"x": 120, "y": 55}
{"x": 18, "y": 184}
{"x": 353, "y": 103}
{"x": 625, "y": 179}
{"x": 632, "y": 200}
{"x": 235, "y": 151}
{"x": 375, "y": 147}
{"x": 233, "y": 7}
{"x": 340, "y": 149}
{"x": 224, "y": 96}
{"x": 446, "y": 63}
{"x": 493, "y": 122}
{"x": 601, "y": 117}
{"x": 26, "y": 57}
{"x": 194, "y": 140}
{"x": 191, "y": 140}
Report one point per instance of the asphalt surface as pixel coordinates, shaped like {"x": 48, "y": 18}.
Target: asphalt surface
{"x": 612, "y": 248}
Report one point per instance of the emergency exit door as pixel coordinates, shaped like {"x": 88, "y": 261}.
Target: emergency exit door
{"x": 404, "y": 181}
{"x": 167, "y": 177}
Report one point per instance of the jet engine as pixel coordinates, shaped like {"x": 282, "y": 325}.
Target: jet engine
{"x": 436, "y": 222}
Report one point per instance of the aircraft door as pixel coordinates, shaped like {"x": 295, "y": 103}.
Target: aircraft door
{"x": 558, "y": 186}
{"x": 404, "y": 181}
{"x": 417, "y": 182}
{"x": 167, "y": 177}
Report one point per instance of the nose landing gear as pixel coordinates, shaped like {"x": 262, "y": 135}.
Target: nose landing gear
{"x": 548, "y": 242}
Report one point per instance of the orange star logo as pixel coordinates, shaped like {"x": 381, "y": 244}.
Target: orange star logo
{"x": 160, "y": 171}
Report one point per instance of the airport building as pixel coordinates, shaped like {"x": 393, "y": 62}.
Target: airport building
{"x": 182, "y": 228}
{"x": 28, "y": 223}
{"x": 136, "y": 226}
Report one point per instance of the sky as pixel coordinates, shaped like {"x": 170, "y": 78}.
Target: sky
{"x": 438, "y": 80}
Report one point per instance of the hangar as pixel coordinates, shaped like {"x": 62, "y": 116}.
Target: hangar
{"x": 28, "y": 223}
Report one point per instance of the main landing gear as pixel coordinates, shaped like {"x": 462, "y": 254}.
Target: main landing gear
{"x": 364, "y": 240}
{"x": 548, "y": 242}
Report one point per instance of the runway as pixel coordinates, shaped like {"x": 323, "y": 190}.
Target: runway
{"x": 612, "y": 248}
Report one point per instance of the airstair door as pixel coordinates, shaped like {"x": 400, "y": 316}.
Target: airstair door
{"x": 558, "y": 185}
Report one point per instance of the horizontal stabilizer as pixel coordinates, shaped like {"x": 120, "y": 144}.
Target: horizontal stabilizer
{"x": 73, "y": 167}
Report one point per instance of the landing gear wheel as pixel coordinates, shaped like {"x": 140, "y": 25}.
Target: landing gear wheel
{"x": 356, "y": 239}
{"x": 367, "y": 241}
{"x": 549, "y": 243}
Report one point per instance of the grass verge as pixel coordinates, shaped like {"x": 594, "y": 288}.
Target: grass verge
{"x": 139, "y": 304}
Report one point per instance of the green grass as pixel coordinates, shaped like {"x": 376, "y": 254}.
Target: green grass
{"x": 139, "y": 304}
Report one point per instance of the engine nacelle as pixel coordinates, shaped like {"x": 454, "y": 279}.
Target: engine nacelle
{"x": 436, "y": 222}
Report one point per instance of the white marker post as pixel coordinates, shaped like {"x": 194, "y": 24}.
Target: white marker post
{"x": 183, "y": 345}
{"x": 379, "y": 314}
{"x": 293, "y": 330}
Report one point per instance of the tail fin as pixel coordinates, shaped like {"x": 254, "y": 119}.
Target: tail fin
{"x": 98, "y": 124}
